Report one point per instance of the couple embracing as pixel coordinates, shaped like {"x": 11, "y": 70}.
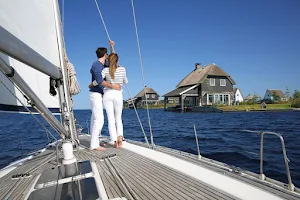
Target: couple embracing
{"x": 106, "y": 90}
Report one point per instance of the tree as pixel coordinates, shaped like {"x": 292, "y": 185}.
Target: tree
{"x": 275, "y": 96}
{"x": 287, "y": 95}
{"x": 296, "y": 95}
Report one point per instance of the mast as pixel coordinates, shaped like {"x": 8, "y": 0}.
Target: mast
{"x": 63, "y": 90}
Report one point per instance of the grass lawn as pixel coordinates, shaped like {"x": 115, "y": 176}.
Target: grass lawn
{"x": 255, "y": 107}
{"x": 234, "y": 108}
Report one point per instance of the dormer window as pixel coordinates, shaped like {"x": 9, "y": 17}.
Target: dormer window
{"x": 222, "y": 82}
{"x": 212, "y": 82}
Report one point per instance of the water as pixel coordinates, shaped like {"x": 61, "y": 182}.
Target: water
{"x": 220, "y": 136}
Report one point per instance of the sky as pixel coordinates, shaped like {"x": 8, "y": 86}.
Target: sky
{"x": 257, "y": 42}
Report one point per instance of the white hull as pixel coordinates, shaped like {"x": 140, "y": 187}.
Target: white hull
{"x": 215, "y": 177}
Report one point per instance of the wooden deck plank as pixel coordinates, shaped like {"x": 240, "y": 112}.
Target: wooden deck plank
{"x": 109, "y": 182}
{"x": 135, "y": 183}
{"x": 139, "y": 188}
{"x": 175, "y": 184}
{"x": 164, "y": 181}
{"x": 34, "y": 166}
{"x": 179, "y": 177}
{"x": 141, "y": 183}
{"x": 172, "y": 179}
{"x": 152, "y": 181}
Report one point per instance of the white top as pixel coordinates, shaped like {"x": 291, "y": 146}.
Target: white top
{"x": 120, "y": 76}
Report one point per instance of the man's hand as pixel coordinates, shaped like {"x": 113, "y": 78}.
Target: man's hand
{"x": 91, "y": 85}
{"x": 116, "y": 86}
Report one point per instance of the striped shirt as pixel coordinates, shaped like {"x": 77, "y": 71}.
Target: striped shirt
{"x": 120, "y": 76}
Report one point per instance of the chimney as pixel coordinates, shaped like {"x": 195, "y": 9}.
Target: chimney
{"x": 197, "y": 65}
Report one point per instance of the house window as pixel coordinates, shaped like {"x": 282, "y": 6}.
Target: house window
{"x": 147, "y": 95}
{"x": 222, "y": 82}
{"x": 153, "y": 95}
{"x": 212, "y": 82}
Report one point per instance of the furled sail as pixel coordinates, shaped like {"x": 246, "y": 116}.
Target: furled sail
{"x": 34, "y": 24}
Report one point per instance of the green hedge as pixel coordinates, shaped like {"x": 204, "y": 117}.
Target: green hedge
{"x": 296, "y": 103}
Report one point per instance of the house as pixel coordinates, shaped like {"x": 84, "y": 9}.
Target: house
{"x": 252, "y": 98}
{"x": 203, "y": 86}
{"x": 140, "y": 99}
{"x": 274, "y": 95}
{"x": 237, "y": 95}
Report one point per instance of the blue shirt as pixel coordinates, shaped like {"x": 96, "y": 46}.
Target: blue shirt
{"x": 96, "y": 71}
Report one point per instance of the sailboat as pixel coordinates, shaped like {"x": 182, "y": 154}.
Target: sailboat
{"x": 37, "y": 78}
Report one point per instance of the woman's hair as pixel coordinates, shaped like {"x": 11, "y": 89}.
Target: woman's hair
{"x": 113, "y": 59}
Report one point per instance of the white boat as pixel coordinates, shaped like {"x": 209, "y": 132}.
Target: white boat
{"x": 32, "y": 51}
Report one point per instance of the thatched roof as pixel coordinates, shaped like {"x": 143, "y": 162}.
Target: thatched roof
{"x": 146, "y": 90}
{"x": 199, "y": 75}
{"x": 176, "y": 92}
{"x": 234, "y": 90}
{"x": 277, "y": 92}
{"x": 251, "y": 97}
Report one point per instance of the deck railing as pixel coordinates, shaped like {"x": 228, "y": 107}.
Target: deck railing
{"x": 286, "y": 160}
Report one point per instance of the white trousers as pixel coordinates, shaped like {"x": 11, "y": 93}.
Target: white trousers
{"x": 97, "y": 119}
{"x": 113, "y": 103}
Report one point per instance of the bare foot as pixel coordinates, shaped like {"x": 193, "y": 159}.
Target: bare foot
{"x": 99, "y": 149}
{"x": 120, "y": 140}
{"x": 116, "y": 144}
{"x": 103, "y": 145}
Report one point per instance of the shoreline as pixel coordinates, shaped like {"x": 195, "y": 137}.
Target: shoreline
{"x": 231, "y": 110}
{"x": 263, "y": 110}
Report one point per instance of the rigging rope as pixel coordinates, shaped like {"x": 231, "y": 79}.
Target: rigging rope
{"x": 145, "y": 136}
{"x": 63, "y": 16}
{"x": 72, "y": 83}
{"x": 72, "y": 80}
{"x": 103, "y": 22}
{"x": 142, "y": 69}
{"x": 102, "y": 19}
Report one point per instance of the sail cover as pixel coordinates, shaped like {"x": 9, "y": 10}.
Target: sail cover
{"x": 33, "y": 22}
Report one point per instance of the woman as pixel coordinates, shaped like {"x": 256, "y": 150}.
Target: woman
{"x": 113, "y": 99}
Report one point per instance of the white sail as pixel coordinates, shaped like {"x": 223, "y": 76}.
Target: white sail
{"x": 34, "y": 24}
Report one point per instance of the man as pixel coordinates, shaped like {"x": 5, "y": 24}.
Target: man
{"x": 96, "y": 92}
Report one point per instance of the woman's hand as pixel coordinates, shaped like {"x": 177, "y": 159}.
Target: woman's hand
{"x": 111, "y": 43}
